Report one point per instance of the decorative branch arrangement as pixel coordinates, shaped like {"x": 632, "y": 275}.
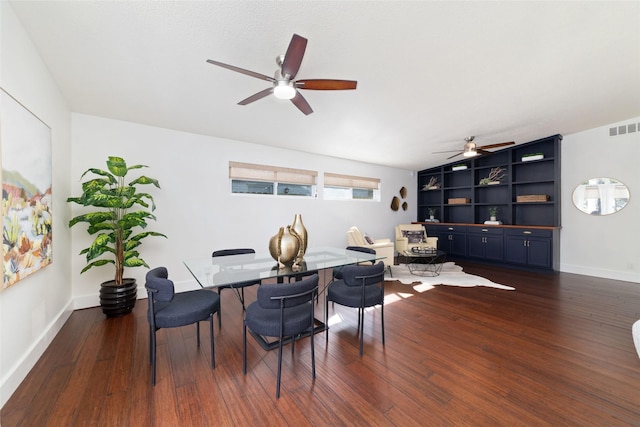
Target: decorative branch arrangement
{"x": 432, "y": 184}
{"x": 495, "y": 176}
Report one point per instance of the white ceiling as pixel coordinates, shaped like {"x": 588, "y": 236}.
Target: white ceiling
{"x": 429, "y": 73}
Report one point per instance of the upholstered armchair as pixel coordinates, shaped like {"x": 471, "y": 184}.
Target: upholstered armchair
{"x": 411, "y": 235}
{"x": 383, "y": 247}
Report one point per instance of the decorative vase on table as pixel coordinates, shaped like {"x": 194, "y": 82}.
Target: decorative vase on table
{"x": 284, "y": 246}
{"x": 299, "y": 228}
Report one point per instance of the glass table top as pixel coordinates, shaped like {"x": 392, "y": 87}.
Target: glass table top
{"x": 225, "y": 270}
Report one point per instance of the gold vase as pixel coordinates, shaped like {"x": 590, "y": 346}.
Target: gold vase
{"x": 284, "y": 246}
{"x": 299, "y": 228}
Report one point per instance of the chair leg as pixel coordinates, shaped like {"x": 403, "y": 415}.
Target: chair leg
{"x": 198, "y": 333}
{"x": 153, "y": 357}
{"x": 220, "y": 309}
{"x": 326, "y": 319}
{"x": 293, "y": 344}
{"x": 213, "y": 347}
{"x": 244, "y": 348}
{"x": 313, "y": 355}
{"x": 382, "y": 318}
{"x": 279, "y": 368}
{"x": 361, "y": 327}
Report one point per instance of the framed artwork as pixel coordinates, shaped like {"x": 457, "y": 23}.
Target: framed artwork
{"x": 25, "y": 143}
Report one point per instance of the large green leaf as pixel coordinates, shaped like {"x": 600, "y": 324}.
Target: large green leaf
{"x": 99, "y": 246}
{"x": 145, "y": 180}
{"x": 135, "y": 262}
{"x": 97, "y": 264}
{"x": 92, "y": 218}
{"x": 117, "y": 166}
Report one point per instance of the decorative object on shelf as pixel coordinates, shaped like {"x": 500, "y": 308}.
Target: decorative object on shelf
{"x": 285, "y": 246}
{"x": 458, "y": 167}
{"x": 532, "y": 156}
{"x": 395, "y": 203}
{"x": 432, "y": 213}
{"x": 403, "y": 192}
{"x": 115, "y": 220}
{"x": 299, "y": 228}
{"x": 432, "y": 184}
{"x": 493, "y": 213}
{"x": 495, "y": 175}
{"x": 459, "y": 201}
{"x": 532, "y": 198}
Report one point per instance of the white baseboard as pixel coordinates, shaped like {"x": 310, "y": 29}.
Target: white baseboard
{"x": 598, "y": 272}
{"x": 18, "y": 372}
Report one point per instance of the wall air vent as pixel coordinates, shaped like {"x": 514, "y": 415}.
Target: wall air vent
{"x": 624, "y": 129}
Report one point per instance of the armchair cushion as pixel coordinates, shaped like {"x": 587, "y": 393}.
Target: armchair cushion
{"x": 412, "y": 235}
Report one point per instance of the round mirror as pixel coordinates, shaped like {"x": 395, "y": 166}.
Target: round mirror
{"x": 601, "y": 196}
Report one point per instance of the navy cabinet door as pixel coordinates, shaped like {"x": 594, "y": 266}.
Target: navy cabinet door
{"x": 539, "y": 253}
{"x": 516, "y": 250}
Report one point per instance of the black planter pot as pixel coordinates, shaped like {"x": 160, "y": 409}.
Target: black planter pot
{"x": 116, "y": 300}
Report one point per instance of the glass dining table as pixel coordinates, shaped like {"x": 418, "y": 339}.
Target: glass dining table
{"x": 211, "y": 272}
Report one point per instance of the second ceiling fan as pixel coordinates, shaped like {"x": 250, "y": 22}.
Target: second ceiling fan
{"x": 470, "y": 149}
{"x": 283, "y": 84}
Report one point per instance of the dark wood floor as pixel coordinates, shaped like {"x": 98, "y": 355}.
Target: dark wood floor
{"x": 556, "y": 351}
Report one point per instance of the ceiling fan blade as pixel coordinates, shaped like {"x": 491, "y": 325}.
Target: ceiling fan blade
{"x": 501, "y": 144}
{"x": 242, "y": 71}
{"x": 302, "y": 104}
{"x": 448, "y": 151}
{"x": 326, "y": 84}
{"x": 455, "y": 155}
{"x": 483, "y": 152}
{"x": 256, "y": 96}
{"x": 294, "y": 55}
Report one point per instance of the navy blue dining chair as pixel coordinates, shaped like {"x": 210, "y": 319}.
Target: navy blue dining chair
{"x": 235, "y": 286}
{"x": 168, "y": 309}
{"x": 285, "y": 311}
{"x": 361, "y": 286}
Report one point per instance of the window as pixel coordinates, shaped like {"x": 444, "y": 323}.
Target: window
{"x": 346, "y": 187}
{"x": 247, "y": 178}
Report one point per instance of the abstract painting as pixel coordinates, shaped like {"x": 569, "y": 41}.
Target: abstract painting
{"x": 25, "y": 143}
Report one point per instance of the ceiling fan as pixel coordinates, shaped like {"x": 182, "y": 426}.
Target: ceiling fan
{"x": 470, "y": 149}
{"x": 284, "y": 85}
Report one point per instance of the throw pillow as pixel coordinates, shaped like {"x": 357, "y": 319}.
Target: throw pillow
{"x": 368, "y": 239}
{"x": 413, "y": 236}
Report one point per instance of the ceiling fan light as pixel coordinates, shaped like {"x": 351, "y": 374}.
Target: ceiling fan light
{"x": 284, "y": 90}
{"x": 469, "y": 150}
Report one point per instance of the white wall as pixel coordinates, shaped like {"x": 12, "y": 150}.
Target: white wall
{"x": 196, "y": 210}
{"x": 33, "y": 310}
{"x": 603, "y": 246}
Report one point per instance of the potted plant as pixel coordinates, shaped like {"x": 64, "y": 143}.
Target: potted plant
{"x": 432, "y": 213}
{"x": 120, "y": 211}
{"x": 493, "y": 213}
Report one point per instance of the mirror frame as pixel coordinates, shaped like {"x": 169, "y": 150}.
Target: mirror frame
{"x": 601, "y": 196}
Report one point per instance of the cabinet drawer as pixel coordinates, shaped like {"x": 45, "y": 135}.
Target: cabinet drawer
{"x": 493, "y": 231}
{"x": 528, "y": 232}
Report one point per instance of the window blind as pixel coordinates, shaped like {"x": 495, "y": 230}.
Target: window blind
{"x": 338, "y": 180}
{"x": 249, "y": 171}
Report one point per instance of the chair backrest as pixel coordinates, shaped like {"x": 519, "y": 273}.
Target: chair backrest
{"x": 159, "y": 287}
{"x": 411, "y": 232}
{"x": 355, "y": 237}
{"x": 296, "y": 293}
{"x": 356, "y": 275}
{"x": 225, "y": 252}
{"x": 363, "y": 250}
